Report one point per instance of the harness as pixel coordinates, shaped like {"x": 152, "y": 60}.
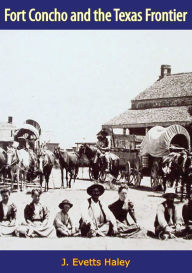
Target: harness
{"x": 16, "y": 160}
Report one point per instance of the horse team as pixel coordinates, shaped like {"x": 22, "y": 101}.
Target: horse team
{"x": 21, "y": 165}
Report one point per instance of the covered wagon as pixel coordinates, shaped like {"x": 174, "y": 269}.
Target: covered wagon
{"x": 157, "y": 143}
{"x": 28, "y": 134}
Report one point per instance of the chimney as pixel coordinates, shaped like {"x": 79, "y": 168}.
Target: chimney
{"x": 10, "y": 120}
{"x": 165, "y": 71}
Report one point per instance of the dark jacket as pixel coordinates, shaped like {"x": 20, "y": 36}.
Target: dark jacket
{"x": 120, "y": 213}
{"x": 163, "y": 217}
{"x": 29, "y": 212}
{"x": 187, "y": 214}
{"x": 11, "y": 214}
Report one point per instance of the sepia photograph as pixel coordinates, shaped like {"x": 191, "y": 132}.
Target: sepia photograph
{"x": 95, "y": 140}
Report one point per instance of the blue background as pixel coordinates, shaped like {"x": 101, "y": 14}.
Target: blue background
{"x": 50, "y": 261}
{"x": 69, "y": 6}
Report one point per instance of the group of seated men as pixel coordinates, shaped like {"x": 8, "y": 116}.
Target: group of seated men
{"x": 97, "y": 219}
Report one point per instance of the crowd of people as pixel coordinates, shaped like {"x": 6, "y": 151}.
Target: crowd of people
{"x": 96, "y": 219}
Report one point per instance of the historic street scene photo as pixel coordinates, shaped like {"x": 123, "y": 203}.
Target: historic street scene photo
{"x": 95, "y": 140}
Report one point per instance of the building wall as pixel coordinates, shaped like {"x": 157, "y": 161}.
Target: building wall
{"x": 6, "y": 131}
{"x": 51, "y": 146}
{"x": 157, "y": 103}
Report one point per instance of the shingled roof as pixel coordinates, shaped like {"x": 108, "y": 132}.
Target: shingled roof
{"x": 152, "y": 117}
{"x": 175, "y": 85}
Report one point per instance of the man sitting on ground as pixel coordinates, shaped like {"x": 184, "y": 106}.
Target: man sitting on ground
{"x": 167, "y": 224}
{"x": 7, "y": 214}
{"x": 96, "y": 218}
{"x": 187, "y": 218}
{"x": 63, "y": 222}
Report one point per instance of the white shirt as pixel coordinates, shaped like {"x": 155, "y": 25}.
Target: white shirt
{"x": 5, "y": 210}
{"x": 93, "y": 214}
{"x": 96, "y": 213}
{"x": 37, "y": 211}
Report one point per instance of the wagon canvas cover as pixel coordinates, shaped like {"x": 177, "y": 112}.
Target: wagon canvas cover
{"x": 29, "y": 129}
{"x": 158, "y": 140}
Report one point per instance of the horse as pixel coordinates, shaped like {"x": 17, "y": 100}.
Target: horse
{"x": 46, "y": 161}
{"x": 98, "y": 161}
{"x": 18, "y": 162}
{"x": 70, "y": 162}
{"x": 3, "y": 163}
{"x": 33, "y": 170}
{"x": 177, "y": 166}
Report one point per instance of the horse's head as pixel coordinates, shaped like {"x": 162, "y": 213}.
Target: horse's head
{"x": 82, "y": 149}
{"x": 170, "y": 164}
{"x": 12, "y": 157}
{"x": 43, "y": 161}
{"x": 167, "y": 167}
{"x": 89, "y": 151}
{"x": 187, "y": 166}
{"x": 57, "y": 152}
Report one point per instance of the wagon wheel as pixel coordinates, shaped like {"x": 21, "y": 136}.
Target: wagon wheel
{"x": 102, "y": 176}
{"x": 91, "y": 175}
{"x": 127, "y": 172}
{"x": 156, "y": 179}
{"x": 137, "y": 173}
{"x": 120, "y": 175}
{"x": 131, "y": 176}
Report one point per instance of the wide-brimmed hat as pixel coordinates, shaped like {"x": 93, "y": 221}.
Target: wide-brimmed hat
{"x": 94, "y": 186}
{"x": 102, "y": 133}
{"x": 169, "y": 191}
{"x": 65, "y": 202}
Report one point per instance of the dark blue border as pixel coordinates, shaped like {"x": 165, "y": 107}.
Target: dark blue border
{"x": 68, "y": 6}
{"x": 140, "y": 261}
{"x": 50, "y": 261}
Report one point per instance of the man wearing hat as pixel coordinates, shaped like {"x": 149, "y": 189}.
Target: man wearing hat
{"x": 96, "y": 218}
{"x": 103, "y": 147}
{"x": 187, "y": 217}
{"x": 63, "y": 223}
{"x": 167, "y": 224}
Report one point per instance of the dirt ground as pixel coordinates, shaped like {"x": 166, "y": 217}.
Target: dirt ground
{"x": 145, "y": 201}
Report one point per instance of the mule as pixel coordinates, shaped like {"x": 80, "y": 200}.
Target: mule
{"x": 46, "y": 162}
{"x": 70, "y": 162}
{"x": 18, "y": 162}
{"x": 3, "y": 163}
{"x": 177, "y": 166}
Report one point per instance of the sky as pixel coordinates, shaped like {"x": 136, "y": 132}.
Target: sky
{"x": 72, "y": 82}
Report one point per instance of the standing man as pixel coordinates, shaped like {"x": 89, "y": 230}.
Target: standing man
{"x": 167, "y": 224}
{"x": 96, "y": 218}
